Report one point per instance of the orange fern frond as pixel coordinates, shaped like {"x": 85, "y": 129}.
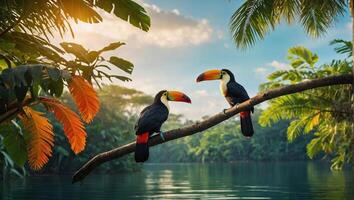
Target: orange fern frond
{"x": 41, "y": 137}
{"x": 85, "y": 98}
{"x": 73, "y": 127}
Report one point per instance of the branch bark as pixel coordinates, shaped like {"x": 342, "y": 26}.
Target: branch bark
{"x": 14, "y": 108}
{"x": 210, "y": 122}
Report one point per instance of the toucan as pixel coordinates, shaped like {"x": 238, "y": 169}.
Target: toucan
{"x": 234, "y": 94}
{"x": 151, "y": 119}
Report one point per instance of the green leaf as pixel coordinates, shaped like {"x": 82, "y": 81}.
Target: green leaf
{"x": 8, "y": 77}
{"x": 296, "y": 63}
{"x": 122, "y": 78}
{"x": 62, "y": 151}
{"x": 53, "y": 87}
{"x": 3, "y": 64}
{"x": 295, "y": 129}
{"x": 81, "y": 10}
{"x": 57, "y": 88}
{"x": 344, "y": 47}
{"x": 78, "y": 50}
{"x": 314, "y": 147}
{"x": 4, "y": 93}
{"x": 312, "y": 122}
{"x": 35, "y": 89}
{"x": 122, "y": 64}
{"x": 301, "y": 53}
{"x": 111, "y": 46}
{"x": 20, "y": 92}
{"x": 20, "y": 72}
{"x": 36, "y": 72}
{"x": 92, "y": 56}
{"x": 276, "y": 74}
{"x": 54, "y": 73}
{"x": 5, "y": 44}
{"x": 16, "y": 148}
{"x": 7, "y": 158}
{"x": 127, "y": 10}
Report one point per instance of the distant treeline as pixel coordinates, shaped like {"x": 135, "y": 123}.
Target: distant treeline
{"x": 225, "y": 143}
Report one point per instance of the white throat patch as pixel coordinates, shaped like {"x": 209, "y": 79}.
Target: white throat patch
{"x": 165, "y": 101}
{"x": 223, "y": 84}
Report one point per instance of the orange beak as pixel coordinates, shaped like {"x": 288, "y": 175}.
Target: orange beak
{"x": 214, "y": 74}
{"x": 178, "y": 96}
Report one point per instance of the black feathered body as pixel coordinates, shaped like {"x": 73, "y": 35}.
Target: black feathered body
{"x": 151, "y": 118}
{"x": 150, "y": 121}
{"x": 236, "y": 93}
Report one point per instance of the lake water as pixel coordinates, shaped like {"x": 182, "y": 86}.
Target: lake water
{"x": 249, "y": 180}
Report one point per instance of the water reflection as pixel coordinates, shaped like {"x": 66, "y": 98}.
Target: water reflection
{"x": 195, "y": 181}
{"x": 319, "y": 183}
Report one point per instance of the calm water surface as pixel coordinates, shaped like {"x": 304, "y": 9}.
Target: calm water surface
{"x": 194, "y": 181}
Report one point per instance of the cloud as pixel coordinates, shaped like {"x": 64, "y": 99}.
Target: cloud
{"x": 278, "y": 65}
{"x": 349, "y": 26}
{"x": 261, "y": 70}
{"x": 169, "y": 29}
{"x": 203, "y": 93}
{"x": 220, "y": 34}
{"x": 172, "y": 29}
{"x": 176, "y": 11}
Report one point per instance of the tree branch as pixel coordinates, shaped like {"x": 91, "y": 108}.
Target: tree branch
{"x": 211, "y": 121}
{"x": 14, "y": 109}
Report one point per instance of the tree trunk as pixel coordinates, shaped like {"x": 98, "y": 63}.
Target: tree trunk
{"x": 211, "y": 121}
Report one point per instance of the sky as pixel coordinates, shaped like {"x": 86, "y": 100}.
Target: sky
{"x": 188, "y": 37}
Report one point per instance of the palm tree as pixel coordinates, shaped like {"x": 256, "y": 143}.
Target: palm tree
{"x": 321, "y": 111}
{"x": 255, "y": 18}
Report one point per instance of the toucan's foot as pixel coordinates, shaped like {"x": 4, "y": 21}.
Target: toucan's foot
{"x": 224, "y": 111}
{"x": 162, "y": 135}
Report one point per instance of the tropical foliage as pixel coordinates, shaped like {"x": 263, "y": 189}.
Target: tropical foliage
{"x": 255, "y": 18}
{"x": 322, "y": 112}
{"x": 113, "y": 126}
{"x": 45, "y": 17}
{"x": 34, "y": 71}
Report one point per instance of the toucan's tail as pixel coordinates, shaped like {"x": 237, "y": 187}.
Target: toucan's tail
{"x": 142, "y": 147}
{"x": 246, "y": 124}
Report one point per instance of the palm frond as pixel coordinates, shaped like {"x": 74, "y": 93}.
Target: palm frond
{"x": 317, "y": 16}
{"x": 73, "y": 127}
{"x": 343, "y": 47}
{"x": 85, "y": 98}
{"x": 251, "y": 22}
{"x": 255, "y": 18}
{"x": 41, "y": 137}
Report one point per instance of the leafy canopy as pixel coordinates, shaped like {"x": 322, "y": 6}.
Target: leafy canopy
{"x": 42, "y": 17}
{"x": 322, "y": 112}
{"x": 33, "y": 71}
{"x": 253, "y": 20}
